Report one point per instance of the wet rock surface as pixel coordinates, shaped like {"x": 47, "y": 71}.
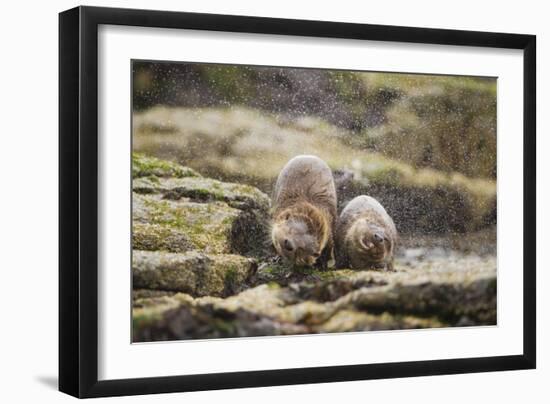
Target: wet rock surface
{"x": 202, "y": 268}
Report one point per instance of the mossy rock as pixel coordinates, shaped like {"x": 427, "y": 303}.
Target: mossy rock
{"x": 146, "y": 166}
{"x": 152, "y": 237}
{"x": 182, "y": 225}
{"x": 239, "y": 196}
{"x": 276, "y": 271}
{"x": 195, "y": 273}
{"x": 447, "y": 124}
{"x": 428, "y": 295}
{"x": 149, "y": 308}
{"x": 149, "y": 295}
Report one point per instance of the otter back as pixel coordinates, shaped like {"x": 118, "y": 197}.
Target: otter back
{"x": 305, "y": 178}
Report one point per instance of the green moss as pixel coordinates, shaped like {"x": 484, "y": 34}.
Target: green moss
{"x": 193, "y": 273}
{"x": 154, "y": 179}
{"x": 150, "y": 311}
{"x": 204, "y": 190}
{"x": 283, "y": 274}
{"x": 232, "y": 280}
{"x": 225, "y": 327}
{"x": 152, "y": 237}
{"x": 151, "y": 167}
{"x": 206, "y": 226}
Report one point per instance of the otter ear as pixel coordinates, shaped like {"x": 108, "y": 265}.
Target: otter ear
{"x": 287, "y": 216}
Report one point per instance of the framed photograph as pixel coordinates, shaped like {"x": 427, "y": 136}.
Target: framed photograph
{"x": 251, "y": 201}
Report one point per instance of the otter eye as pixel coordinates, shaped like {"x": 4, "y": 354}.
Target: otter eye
{"x": 287, "y": 216}
{"x": 316, "y": 255}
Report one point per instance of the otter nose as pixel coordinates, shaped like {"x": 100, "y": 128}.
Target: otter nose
{"x": 288, "y": 245}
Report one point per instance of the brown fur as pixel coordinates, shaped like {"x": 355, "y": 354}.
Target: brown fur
{"x": 304, "y": 211}
{"x": 366, "y": 235}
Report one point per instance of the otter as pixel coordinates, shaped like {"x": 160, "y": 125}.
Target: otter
{"x": 304, "y": 212}
{"x": 366, "y": 236}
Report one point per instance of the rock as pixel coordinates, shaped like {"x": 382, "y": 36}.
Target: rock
{"x": 424, "y": 297}
{"x": 177, "y": 210}
{"x": 274, "y": 270}
{"x": 450, "y": 127}
{"x": 349, "y": 320}
{"x": 202, "y": 189}
{"x": 195, "y": 273}
{"x": 422, "y": 201}
{"x": 147, "y": 311}
{"x": 153, "y": 237}
{"x": 450, "y": 291}
{"x": 184, "y": 225}
{"x": 146, "y": 166}
{"x": 213, "y": 227}
{"x": 187, "y": 322}
{"x": 149, "y": 294}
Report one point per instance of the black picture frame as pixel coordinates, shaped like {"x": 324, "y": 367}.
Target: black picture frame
{"x": 78, "y": 201}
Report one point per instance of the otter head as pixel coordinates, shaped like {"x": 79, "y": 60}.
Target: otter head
{"x": 294, "y": 238}
{"x": 368, "y": 243}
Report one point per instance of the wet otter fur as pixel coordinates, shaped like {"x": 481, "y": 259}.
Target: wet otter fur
{"x": 366, "y": 236}
{"x": 304, "y": 212}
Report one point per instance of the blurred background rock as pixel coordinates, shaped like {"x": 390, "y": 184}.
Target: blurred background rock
{"x": 444, "y": 122}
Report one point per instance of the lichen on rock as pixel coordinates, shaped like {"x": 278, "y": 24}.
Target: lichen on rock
{"x": 204, "y": 190}
{"x": 193, "y": 272}
{"x": 200, "y": 226}
{"x": 146, "y": 166}
{"x": 152, "y": 237}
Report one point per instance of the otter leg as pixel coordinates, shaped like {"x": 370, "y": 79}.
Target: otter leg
{"x": 331, "y": 258}
{"x": 326, "y": 260}
{"x": 389, "y": 265}
{"x": 342, "y": 259}
{"x": 322, "y": 261}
